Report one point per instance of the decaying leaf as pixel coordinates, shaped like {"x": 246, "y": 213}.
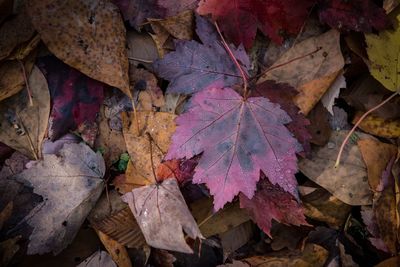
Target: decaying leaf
{"x": 118, "y": 252}
{"x": 388, "y": 128}
{"x": 312, "y": 255}
{"x": 23, "y": 126}
{"x": 88, "y": 36}
{"x": 376, "y": 156}
{"x": 12, "y": 79}
{"x": 355, "y": 15}
{"x": 320, "y": 169}
{"x": 99, "y": 258}
{"x": 8, "y": 249}
{"x": 382, "y": 49}
{"x": 163, "y": 216}
{"x": 211, "y": 222}
{"x": 70, "y": 185}
{"x": 141, "y": 48}
{"x": 328, "y": 99}
{"x": 153, "y": 138}
{"x": 313, "y": 74}
{"x": 122, "y": 227}
{"x": 236, "y": 237}
{"x": 236, "y": 136}
{"x": 272, "y": 202}
{"x": 179, "y": 26}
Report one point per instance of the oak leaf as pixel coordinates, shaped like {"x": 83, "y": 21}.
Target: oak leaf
{"x": 239, "y": 138}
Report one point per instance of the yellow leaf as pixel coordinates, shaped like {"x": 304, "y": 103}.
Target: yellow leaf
{"x": 384, "y": 52}
{"x": 389, "y": 128}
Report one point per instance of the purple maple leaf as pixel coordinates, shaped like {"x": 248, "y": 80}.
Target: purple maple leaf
{"x": 239, "y": 138}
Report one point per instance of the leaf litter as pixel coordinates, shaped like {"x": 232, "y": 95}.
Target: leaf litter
{"x": 224, "y": 125}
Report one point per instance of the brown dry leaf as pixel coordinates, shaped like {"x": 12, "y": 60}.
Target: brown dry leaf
{"x": 11, "y": 75}
{"x": 123, "y": 228}
{"x": 162, "y": 258}
{"x": 313, "y": 74}
{"x": 236, "y": 237}
{"x": 378, "y": 126}
{"x": 173, "y": 103}
{"x": 163, "y": 215}
{"x": 312, "y": 255}
{"x": 389, "y": 5}
{"x": 87, "y": 35}
{"x": 155, "y": 128}
{"x": 391, "y": 262}
{"x": 160, "y": 38}
{"x": 234, "y": 264}
{"x": 211, "y": 223}
{"x": 98, "y": 259}
{"x": 109, "y": 140}
{"x": 286, "y": 236}
{"x": 118, "y": 252}
{"x": 179, "y": 26}
{"x": 8, "y": 248}
{"x": 320, "y": 169}
{"x": 145, "y": 84}
{"x": 14, "y": 32}
{"x": 376, "y": 156}
{"x": 24, "y": 126}
{"x": 6, "y": 213}
{"x": 320, "y": 205}
{"x": 319, "y": 127}
{"x": 141, "y": 48}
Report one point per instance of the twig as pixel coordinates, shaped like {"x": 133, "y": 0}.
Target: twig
{"x": 28, "y": 89}
{"x": 151, "y": 156}
{"x": 358, "y": 123}
{"x": 140, "y": 59}
{"x": 242, "y": 73}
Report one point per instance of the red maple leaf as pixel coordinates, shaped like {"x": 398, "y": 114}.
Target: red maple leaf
{"x": 238, "y": 138}
{"x": 356, "y": 15}
{"x": 239, "y": 19}
{"x": 272, "y": 202}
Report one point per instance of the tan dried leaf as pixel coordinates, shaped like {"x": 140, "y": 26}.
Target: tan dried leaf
{"x": 118, "y": 252}
{"x": 123, "y": 228}
{"x": 24, "y": 126}
{"x": 313, "y": 74}
{"x": 163, "y": 215}
{"x": 320, "y": 169}
{"x": 179, "y": 26}
{"x": 87, "y": 35}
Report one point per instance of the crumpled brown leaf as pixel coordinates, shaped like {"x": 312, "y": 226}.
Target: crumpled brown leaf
{"x": 70, "y": 185}
{"x": 320, "y": 169}
{"x": 87, "y": 35}
{"x": 179, "y": 26}
{"x": 313, "y": 74}
{"x": 23, "y": 126}
{"x": 163, "y": 215}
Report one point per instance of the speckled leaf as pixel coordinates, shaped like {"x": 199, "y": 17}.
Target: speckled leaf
{"x": 272, "y": 202}
{"x": 70, "y": 185}
{"x": 163, "y": 215}
{"x": 238, "y": 138}
{"x": 87, "y": 35}
{"x": 194, "y": 66}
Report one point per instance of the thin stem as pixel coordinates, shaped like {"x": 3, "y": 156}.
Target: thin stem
{"x": 151, "y": 156}
{"x": 28, "y": 88}
{"x": 287, "y": 62}
{"x": 242, "y": 73}
{"x": 135, "y": 116}
{"x": 35, "y": 155}
{"x": 140, "y": 59}
{"x": 358, "y": 123}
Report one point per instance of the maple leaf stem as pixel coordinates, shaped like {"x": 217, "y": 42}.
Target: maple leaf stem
{"x": 358, "y": 123}
{"x": 232, "y": 56}
{"x": 135, "y": 115}
{"x": 28, "y": 88}
{"x": 286, "y": 63}
{"x": 151, "y": 156}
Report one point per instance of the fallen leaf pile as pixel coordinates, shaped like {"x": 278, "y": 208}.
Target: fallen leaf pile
{"x": 199, "y": 133}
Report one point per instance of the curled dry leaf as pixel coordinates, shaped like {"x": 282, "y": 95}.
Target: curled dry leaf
{"x": 155, "y": 128}
{"x": 313, "y": 74}
{"x": 70, "y": 185}
{"x": 388, "y": 128}
{"x": 89, "y": 36}
{"x": 23, "y": 126}
{"x": 376, "y": 156}
{"x": 163, "y": 216}
{"x": 320, "y": 169}
{"x": 117, "y": 251}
